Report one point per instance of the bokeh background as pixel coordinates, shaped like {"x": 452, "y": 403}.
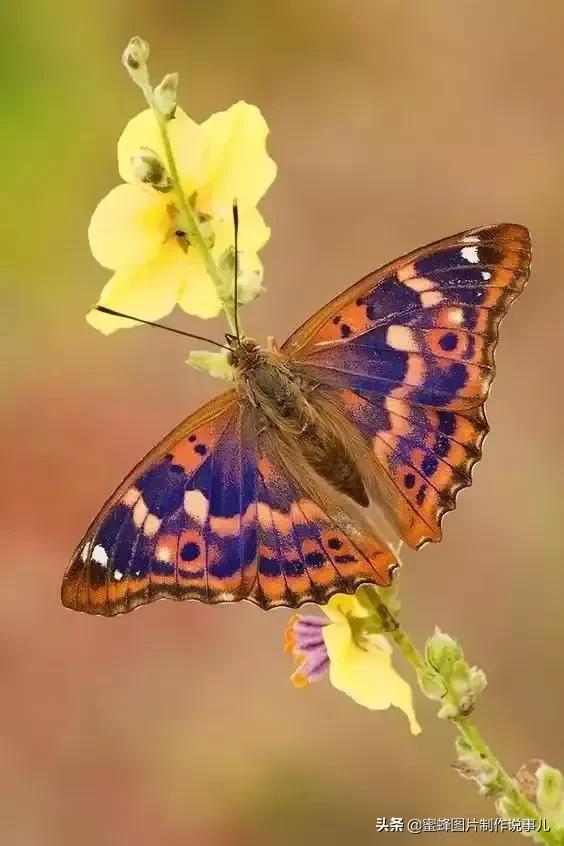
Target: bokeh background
{"x": 393, "y": 124}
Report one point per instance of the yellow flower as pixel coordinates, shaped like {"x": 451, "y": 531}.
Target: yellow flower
{"x": 136, "y": 230}
{"x": 359, "y": 663}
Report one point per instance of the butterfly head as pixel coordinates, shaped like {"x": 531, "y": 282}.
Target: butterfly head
{"x": 244, "y": 353}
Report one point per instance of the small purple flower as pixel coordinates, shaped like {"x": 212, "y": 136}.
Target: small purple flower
{"x": 303, "y": 638}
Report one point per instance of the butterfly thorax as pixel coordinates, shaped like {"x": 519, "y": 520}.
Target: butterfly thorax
{"x": 286, "y": 403}
{"x": 266, "y": 381}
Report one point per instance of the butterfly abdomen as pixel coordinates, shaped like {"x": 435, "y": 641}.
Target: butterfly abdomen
{"x": 330, "y": 459}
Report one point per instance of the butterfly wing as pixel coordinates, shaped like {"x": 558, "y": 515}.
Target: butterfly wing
{"x": 409, "y": 353}
{"x": 309, "y": 544}
{"x": 126, "y": 556}
{"x": 213, "y": 513}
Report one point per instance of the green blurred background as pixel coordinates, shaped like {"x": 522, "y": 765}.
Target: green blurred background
{"x": 393, "y": 124}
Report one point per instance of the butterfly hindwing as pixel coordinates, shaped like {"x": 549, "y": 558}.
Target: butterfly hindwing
{"x": 308, "y": 550}
{"x": 409, "y": 350}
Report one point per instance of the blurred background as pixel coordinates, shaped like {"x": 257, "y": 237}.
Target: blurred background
{"x": 393, "y": 124}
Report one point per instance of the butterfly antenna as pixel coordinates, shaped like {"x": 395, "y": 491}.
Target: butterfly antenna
{"x": 106, "y": 310}
{"x": 236, "y": 280}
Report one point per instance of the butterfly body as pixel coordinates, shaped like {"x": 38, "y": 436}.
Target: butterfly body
{"x": 378, "y": 398}
{"x": 281, "y": 396}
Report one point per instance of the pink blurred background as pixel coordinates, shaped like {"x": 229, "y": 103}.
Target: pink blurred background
{"x": 393, "y": 124}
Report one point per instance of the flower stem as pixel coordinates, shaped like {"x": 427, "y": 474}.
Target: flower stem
{"x": 470, "y": 733}
{"x": 192, "y": 224}
{"x": 189, "y": 217}
{"x": 524, "y": 808}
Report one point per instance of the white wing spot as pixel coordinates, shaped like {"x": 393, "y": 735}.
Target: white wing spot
{"x": 151, "y": 525}
{"x": 196, "y": 506}
{"x": 430, "y": 298}
{"x": 401, "y": 338}
{"x": 419, "y": 283}
{"x": 486, "y": 275}
{"x": 140, "y": 511}
{"x": 99, "y": 555}
{"x": 456, "y": 317}
{"x": 470, "y": 254}
{"x": 118, "y": 575}
{"x": 130, "y": 497}
{"x": 162, "y": 553}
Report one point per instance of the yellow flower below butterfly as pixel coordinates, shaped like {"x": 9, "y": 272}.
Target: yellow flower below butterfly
{"x": 137, "y": 231}
{"x": 359, "y": 664}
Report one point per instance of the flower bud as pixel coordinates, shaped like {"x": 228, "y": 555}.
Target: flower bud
{"x": 527, "y": 780}
{"x": 441, "y": 652}
{"x": 249, "y": 282}
{"x": 250, "y": 286}
{"x": 447, "y": 711}
{"x": 134, "y": 58}
{"x": 464, "y": 748}
{"x": 550, "y": 790}
{"x": 148, "y": 168}
{"x": 478, "y": 680}
{"x": 165, "y": 95}
{"x": 466, "y": 703}
{"x": 432, "y": 685}
{"x": 459, "y": 680}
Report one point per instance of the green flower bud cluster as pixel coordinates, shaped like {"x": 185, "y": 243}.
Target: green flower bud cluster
{"x": 135, "y": 59}
{"x": 448, "y": 678}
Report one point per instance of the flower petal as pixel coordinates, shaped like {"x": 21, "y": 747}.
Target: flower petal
{"x": 185, "y": 137}
{"x": 128, "y": 226}
{"x": 149, "y": 292}
{"x": 198, "y": 294}
{"x": 367, "y": 675}
{"x": 253, "y": 231}
{"x": 343, "y": 605}
{"x": 235, "y": 162}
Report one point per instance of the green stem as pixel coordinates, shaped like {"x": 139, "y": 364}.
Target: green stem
{"x": 464, "y": 726}
{"x": 468, "y": 730}
{"x": 526, "y": 808}
{"x": 190, "y": 219}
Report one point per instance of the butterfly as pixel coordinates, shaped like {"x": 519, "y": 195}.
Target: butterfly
{"x": 377, "y": 398}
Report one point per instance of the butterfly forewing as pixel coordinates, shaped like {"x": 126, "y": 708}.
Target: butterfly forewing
{"x": 410, "y": 352}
